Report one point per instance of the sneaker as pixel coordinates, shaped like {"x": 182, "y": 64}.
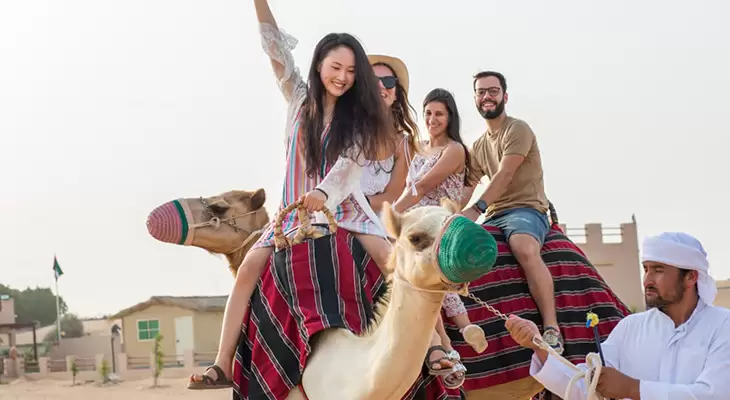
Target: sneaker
{"x": 552, "y": 337}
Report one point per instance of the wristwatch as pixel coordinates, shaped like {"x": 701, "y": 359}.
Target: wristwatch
{"x": 481, "y": 206}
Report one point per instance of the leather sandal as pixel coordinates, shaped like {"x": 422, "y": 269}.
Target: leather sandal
{"x": 206, "y": 382}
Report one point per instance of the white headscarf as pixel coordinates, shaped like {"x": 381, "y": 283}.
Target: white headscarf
{"x": 682, "y": 251}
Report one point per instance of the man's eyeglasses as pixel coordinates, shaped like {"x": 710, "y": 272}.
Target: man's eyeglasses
{"x": 388, "y": 81}
{"x": 493, "y": 91}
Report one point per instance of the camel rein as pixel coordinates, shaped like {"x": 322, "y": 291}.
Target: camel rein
{"x": 593, "y": 360}
{"x": 216, "y": 222}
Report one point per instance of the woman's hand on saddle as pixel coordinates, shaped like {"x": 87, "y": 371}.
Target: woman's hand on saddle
{"x": 314, "y": 200}
{"x": 522, "y": 331}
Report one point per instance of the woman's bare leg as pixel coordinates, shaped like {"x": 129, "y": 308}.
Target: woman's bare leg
{"x": 444, "y": 363}
{"x": 248, "y": 274}
{"x": 461, "y": 320}
{"x": 441, "y": 331}
{"x": 438, "y": 360}
{"x": 379, "y": 250}
{"x": 473, "y": 334}
{"x": 456, "y": 311}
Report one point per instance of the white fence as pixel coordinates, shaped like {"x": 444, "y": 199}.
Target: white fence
{"x": 126, "y": 368}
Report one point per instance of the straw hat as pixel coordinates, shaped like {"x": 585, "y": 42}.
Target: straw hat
{"x": 396, "y": 64}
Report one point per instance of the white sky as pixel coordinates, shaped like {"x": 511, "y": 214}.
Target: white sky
{"x": 110, "y": 108}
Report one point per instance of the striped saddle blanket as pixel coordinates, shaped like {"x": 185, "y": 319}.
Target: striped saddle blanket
{"x": 329, "y": 282}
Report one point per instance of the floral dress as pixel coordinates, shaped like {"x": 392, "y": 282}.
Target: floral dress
{"x": 453, "y": 188}
{"x": 345, "y": 198}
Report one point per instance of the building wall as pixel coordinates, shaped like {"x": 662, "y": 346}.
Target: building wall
{"x": 723, "y": 294}
{"x": 92, "y": 327}
{"x": 85, "y": 347}
{"x": 614, "y": 251}
{"x": 7, "y": 314}
{"x": 207, "y": 331}
{"x": 166, "y": 316}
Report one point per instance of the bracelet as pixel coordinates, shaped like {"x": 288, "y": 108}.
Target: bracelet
{"x": 323, "y": 192}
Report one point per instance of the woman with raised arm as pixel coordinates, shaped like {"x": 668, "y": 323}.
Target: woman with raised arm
{"x": 336, "y": 122}
{"x": 442, "y": 170}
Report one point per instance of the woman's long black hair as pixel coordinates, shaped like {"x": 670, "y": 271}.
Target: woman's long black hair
{"x": 453, "y": 128}
{"x": 360, "y": 120}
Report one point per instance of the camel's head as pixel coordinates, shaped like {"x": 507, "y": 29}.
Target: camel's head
{"x": 436, "y": 249}
{"x": 228, "y": 223}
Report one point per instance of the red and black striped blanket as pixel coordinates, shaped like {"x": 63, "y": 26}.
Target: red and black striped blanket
{"x": 274, "y": 343}
{"x": 323, "y": 283}
{"x": 579, "y": 289}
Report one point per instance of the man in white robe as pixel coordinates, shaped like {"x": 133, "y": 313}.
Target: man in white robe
{"x": 678, "y": 349}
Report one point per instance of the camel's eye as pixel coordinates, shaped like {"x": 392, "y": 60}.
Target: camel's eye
{"x": 218, "y": 209}
{"x": 420, "y": 241}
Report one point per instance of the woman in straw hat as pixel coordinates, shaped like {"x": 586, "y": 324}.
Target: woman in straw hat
{"x": 385, "y": 180}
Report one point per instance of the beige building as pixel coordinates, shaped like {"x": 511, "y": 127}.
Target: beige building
{"x": 7, "y": 310}
{"x": 723, "y": 293}
{"x": 614, "y": 251}
{"x": 185, "y": 323}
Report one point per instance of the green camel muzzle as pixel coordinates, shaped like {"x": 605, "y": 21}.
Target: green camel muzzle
{"x": 466, "y": 251}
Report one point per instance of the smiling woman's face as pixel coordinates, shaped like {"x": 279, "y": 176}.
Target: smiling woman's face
{"x": 387, "y": 83}
{"x": 437, "y": 118}
{"x": 337, "y": 71}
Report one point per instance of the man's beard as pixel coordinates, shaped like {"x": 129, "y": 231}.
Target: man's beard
{"x": 491, "y": 114}
{"x": 661, "y": 302}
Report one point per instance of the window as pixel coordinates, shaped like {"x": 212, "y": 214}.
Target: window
{"x": 148, "y": 329}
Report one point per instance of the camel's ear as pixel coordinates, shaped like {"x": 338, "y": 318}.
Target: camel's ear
{"x": 258, "y": 199}
{"x": 450, "y": 205}
{"x": 392, "y": 219}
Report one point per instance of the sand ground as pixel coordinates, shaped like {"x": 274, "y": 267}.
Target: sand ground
{"x": 131, "y": 390}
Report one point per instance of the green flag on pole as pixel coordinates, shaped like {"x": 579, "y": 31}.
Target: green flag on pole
{"x": 56, "y": 268}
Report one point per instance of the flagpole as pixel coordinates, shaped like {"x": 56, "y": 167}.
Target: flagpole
{"x": 58, "y": 315}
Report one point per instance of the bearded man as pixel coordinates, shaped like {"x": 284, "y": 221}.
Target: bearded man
{"x": 515, "y": 199}
{"x": 679, "y": 349}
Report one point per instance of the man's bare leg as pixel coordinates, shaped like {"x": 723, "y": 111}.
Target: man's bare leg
{"x": 526, "y": 250}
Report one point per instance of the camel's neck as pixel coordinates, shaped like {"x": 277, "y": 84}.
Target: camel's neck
{"x": 236, "y": 258}
{"x": 401, "y": 340}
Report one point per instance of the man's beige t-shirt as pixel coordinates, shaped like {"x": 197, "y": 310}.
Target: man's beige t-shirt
{"x": 527, "y": 188}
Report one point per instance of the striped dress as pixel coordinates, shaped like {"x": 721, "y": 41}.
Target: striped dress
{"x": 341, "y": 181}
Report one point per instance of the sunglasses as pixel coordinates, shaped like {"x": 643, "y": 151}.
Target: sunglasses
{"x": 388, "y": 81}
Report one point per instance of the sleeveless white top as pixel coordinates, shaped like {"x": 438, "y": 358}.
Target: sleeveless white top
{"x": 376, "y": 174}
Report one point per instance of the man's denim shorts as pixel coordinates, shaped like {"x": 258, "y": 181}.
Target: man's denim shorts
{"x": 522, "y": 220}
